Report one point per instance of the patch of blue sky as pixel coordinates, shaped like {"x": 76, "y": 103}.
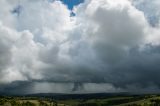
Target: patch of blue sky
{"x": 72, "y": 3}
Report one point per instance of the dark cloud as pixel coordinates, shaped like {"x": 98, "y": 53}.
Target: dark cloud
{"x": 17, "y": 87}
{"x": 139, "y": 67}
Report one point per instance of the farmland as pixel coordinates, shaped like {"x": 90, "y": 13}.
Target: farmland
{"x": 70, "y": 100}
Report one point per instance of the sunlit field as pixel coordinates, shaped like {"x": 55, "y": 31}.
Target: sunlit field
{"x": 135, "y": 100}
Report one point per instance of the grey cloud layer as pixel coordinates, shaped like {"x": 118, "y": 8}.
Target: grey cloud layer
{"x": 108, "y": 43}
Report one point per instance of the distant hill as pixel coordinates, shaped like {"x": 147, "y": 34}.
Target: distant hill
{"x": 62, "y": 96}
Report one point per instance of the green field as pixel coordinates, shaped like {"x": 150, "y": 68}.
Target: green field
{"x": 139, "y": 100}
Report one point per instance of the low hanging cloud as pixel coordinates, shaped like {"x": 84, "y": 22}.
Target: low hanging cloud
{"x": 108, "y": 43}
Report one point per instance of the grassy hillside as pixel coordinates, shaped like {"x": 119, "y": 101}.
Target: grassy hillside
{"x": 136, "y": 100}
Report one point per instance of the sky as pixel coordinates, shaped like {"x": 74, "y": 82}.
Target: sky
{"x": 106, "y": 46}
{"x": 71, "y": 3}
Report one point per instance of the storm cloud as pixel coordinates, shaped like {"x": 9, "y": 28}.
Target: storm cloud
{"x": 114, "y": 44}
